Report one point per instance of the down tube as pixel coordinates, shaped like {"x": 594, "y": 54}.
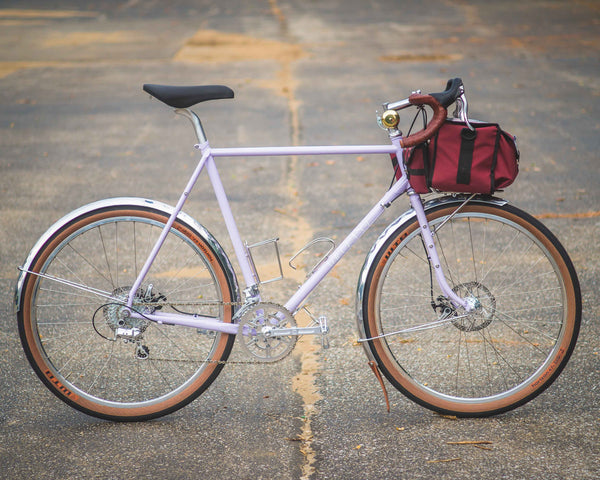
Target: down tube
{"x": 293, "y": 304}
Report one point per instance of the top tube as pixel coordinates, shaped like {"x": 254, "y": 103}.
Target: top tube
{"x": 302, "y": 150}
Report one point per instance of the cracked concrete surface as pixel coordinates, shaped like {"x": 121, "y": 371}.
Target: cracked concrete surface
{"x": 75, "y": 127}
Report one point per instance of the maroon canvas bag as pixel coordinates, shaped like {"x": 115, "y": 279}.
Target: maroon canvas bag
{"x": 458, "y": 159}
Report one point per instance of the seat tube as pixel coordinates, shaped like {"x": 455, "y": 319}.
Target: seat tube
{"x": 215, "y": 179}
{"x": 232, "y": 229}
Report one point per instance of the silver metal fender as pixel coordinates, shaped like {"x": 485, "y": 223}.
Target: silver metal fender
{"x": 127, "y": 202}
{"x": 405, "y": 218}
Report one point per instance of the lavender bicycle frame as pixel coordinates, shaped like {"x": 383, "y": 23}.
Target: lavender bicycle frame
{"x": 293, "y": 304}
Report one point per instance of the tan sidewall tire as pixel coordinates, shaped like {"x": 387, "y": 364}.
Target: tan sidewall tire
{"x": 46, "y": 372}
{"x": 536, "y": 384}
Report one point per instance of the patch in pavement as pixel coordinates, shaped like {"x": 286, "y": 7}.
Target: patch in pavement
{"x": 214, "y": 47}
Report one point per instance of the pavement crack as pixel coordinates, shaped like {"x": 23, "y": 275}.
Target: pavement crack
{"x": 278, "y": 14}
{"x": 304, "y": 385}
{"x": 215, "y": 47}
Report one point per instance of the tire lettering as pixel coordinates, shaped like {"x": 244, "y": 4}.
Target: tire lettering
{"x": 394, "y": 246}
{"x": 199, "y": 244}
{"x": 551, "y": 368}
{"x": 60, "y": 387}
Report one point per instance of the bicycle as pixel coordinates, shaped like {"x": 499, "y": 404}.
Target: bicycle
{"x": 128, "y": 308}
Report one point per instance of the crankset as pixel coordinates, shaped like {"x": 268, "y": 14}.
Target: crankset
{"x": 259, "y": 335}
{"x": 268, "y": 331}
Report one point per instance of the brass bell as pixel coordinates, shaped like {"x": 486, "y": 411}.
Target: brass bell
{"x": 390, "y": 119}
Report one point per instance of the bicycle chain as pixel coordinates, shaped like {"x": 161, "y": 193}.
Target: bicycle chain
{"x": 209, "y": 303}
{"x": 166, "y": 304}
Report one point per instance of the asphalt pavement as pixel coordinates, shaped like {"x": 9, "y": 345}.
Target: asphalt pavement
{"x": 75, "y": 126}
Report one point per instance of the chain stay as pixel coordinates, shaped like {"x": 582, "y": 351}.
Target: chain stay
{"x": 211, "y": 303}
{"x": 319, "y": 328}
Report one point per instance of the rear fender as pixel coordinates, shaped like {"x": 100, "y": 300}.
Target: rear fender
{"x": 124, "y": 202}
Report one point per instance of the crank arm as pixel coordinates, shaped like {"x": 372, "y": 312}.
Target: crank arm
{"x": 286, "y": 332}
{"x": 321, "y": 329}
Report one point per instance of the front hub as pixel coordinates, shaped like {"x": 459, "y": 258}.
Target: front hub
{"x": 483, "y": 305}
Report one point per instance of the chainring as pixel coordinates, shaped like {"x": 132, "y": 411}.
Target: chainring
{"x": 255, "y": 327}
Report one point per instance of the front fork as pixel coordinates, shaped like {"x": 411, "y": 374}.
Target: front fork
{"x": 427, "y": 235}
{"x": 432, "y": 254}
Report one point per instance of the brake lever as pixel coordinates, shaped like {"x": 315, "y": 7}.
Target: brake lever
{"x": 462, "y": 109}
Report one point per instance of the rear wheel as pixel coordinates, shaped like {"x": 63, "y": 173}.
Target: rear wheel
{"x": 506, "y": 351}
{"x": 83, "y": 348}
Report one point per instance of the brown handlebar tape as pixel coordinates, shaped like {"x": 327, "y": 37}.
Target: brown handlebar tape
{"x": 439, "y": 117}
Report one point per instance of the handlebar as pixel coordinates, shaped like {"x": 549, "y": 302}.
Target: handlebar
{"x": 454, "y": 89}
{"x": 439, "y": 117}
{"x": 438, "y": 103}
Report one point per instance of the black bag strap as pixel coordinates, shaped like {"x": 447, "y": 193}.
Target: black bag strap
{"x": 465, "y": 156}
{"x": 495, "y": 160}
{"x": 429, "y": 160}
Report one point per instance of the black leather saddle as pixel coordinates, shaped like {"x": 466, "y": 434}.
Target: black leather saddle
{"x": 184, "y": 97}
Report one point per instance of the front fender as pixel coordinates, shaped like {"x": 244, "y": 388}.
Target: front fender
{"x": 123, "y": 202}
{"x": 406, "y": 218}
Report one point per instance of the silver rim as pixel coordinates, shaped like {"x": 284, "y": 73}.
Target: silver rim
{"x": 75, "y": 330}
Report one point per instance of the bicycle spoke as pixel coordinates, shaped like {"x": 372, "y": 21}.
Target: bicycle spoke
{"x": 119, "y": 363}
{"x": 468, "y": 360}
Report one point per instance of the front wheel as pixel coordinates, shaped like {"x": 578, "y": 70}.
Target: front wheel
{"x": 503, "y": 353}
{"x": 70, "y": 317}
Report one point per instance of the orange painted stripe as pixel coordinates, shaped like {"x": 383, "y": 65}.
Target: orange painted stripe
{"x": 18, "y": 13}
{"x": 568, "y": 215}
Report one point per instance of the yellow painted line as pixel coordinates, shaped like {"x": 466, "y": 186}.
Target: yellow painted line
{"x": 210, "y": 46}
{"x": 18, "y": 13}
{"x": 423, "y": 57}
{"x": 6, "y": 68}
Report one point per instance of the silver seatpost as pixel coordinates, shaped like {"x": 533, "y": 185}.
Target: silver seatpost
{"x": 192, "y": 117}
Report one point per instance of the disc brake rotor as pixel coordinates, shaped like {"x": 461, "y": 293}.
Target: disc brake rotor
{"x": 485, "y": 306}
